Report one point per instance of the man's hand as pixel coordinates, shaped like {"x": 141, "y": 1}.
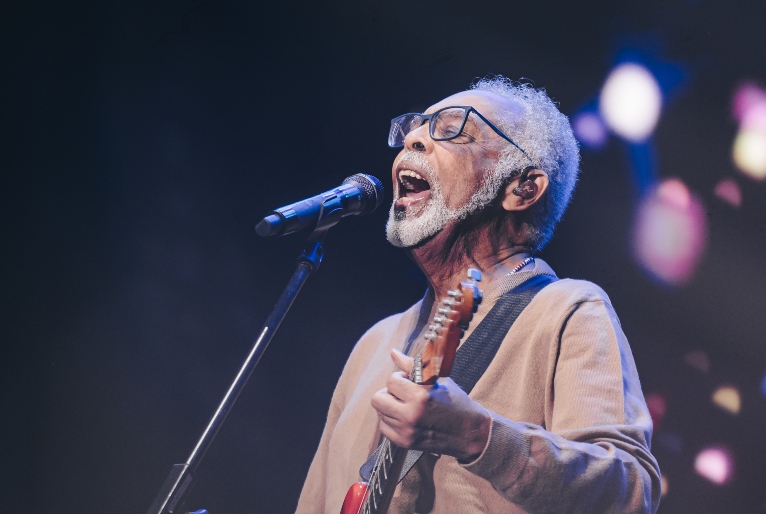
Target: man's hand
{"x": 438, "y": 419}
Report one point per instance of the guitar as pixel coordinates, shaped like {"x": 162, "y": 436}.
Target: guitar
{"x": 433, "y": 361}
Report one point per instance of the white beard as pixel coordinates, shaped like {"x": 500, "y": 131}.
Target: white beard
{"x": 407, "y": 232}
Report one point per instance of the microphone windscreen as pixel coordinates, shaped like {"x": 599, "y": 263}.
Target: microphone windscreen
{"x": 373, "y": 191}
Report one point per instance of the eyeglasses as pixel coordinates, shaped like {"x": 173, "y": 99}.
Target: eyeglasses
{"x": 444, "y": 125}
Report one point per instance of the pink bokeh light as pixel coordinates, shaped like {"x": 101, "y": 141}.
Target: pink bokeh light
{"x": 728, "y": 191}
{"x": 746, "y": 96}
{"x": 755, "y": 117}
{"x": 715, "y": 464}
{"x": 670, "y": 232}
{"x": 658, "y": 406}
{"x": 675, "y": 193}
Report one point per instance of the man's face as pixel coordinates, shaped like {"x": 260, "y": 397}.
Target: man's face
{"x": 438, "y": 182}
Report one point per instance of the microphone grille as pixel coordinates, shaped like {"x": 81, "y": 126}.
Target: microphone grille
{"x": 373, "y": 191}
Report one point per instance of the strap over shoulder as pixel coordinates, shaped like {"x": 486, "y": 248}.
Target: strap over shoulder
{"x": 476, "y": 353}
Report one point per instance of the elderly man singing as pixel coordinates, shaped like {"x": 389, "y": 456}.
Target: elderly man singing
{"x": 555, "y": 421}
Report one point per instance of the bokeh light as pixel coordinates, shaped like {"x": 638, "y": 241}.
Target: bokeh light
{"x": 589, "y": 130}
{"x": 749, "y": 150}
{"x": 631, "y": 101}
{"x": 699, "y": 360}
{"x": 715, "y": 464}
{"x": 657, "y": 406}
{"x": 727, "y": 398}
{"x": 728, "y": 191}
{"x": 664, "y": 484}
{"x": 670, "y": 232}
{"x": 755, "y": 117}
{"x": 747, "y": 96}
{"x": 749, "y": 153}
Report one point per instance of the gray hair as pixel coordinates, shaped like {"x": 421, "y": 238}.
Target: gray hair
{"x": 546, "y": 136}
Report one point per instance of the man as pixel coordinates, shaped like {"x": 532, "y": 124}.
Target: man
{"x": 557, "y": 422}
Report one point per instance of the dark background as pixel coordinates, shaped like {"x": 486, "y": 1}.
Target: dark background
{"x": 141, "y": 142}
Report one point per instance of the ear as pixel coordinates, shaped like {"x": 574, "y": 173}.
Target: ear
{"x": 525, "y": 190}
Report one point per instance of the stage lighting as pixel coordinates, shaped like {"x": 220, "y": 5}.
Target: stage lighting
{"x": 749, "y": 152}
{"x": 670, "y": 232}
{"x": 589, "y": 130}
{"x": 728, "y": 191}
{"x": 665, "y": 487}
{"x": 631, "y": 101}
{"x": 657, "y": 406}
{"x": 698, "y": 360}
{"x": 727, "y": 398}
{"x": 715, "y": 464}
{"x": 747, "y": 96}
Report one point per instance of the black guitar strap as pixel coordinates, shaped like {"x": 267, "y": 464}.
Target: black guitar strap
{"x": 475, "y": 354}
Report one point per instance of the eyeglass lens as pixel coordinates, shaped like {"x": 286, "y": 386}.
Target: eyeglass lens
{"x": 444, "y": 125}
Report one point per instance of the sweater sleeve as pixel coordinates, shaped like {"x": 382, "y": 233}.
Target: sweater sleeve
{"x": 595, "y": 455}
{"x": 312, "y": 499}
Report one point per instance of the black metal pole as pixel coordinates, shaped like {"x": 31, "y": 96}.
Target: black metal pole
{"x": 177, "y": 485}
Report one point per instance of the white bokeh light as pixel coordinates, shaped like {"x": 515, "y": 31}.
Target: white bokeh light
{"x": 631, "y": 102}
{"x": 749, "y": 153}
{"x": 714, "y": 464}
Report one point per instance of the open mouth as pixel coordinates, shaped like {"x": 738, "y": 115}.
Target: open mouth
{"x": 413, "y": 188}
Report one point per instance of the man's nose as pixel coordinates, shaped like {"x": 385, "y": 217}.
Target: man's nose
{"x": 418, "y": 139}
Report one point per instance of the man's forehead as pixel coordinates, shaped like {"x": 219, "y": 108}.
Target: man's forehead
{"x": 486, "y": 102}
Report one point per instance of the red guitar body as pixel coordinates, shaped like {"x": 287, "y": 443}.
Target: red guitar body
{"x": 354, "y": 498}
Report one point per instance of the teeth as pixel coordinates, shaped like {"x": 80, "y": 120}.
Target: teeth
{"x": 410, "y": 173}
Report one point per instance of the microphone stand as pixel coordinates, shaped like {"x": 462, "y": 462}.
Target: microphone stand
{"x": 170, "y": 499}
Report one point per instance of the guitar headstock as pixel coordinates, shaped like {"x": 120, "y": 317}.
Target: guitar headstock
{"x": 452, "y": 318}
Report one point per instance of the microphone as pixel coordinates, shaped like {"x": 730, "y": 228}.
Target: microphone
{"x": 359, "y": 194}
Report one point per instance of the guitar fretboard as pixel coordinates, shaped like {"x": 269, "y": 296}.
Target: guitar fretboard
{"x": 384, "y": 477}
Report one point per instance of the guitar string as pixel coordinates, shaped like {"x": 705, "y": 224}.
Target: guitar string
{"x": 379, "y": 465}
{"x": 386, "y": 449}
{"x": 386, "y": 445}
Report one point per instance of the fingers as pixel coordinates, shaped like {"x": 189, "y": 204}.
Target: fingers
{"x": 402, "y": 362}
{"x": 400, "y": 386}
{"x": 386, "y": 404}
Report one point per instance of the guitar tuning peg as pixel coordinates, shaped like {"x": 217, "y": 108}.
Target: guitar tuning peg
{"x": 443, "y": 311}
{"x": 453, "y": 293}
{"x": 449, "y": 302}
{"x": 474, "y": 274}
{"x": 439, "y": 320}
{"x": 429, "y": 335}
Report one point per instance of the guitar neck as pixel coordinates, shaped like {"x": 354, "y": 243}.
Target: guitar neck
{"x": 433, "y": 361}
{"x": 384, "y": 478}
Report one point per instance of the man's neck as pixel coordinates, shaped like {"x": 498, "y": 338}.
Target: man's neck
{"x": 445, "y": 263}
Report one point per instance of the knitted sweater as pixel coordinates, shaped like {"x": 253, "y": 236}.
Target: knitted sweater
{"x": 570, "y": 429}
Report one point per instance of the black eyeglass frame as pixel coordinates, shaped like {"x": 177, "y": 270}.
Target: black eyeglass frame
{"x": 469, "y": 109}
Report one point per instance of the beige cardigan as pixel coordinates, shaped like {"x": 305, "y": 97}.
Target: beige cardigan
{"x": 570, "y": 428}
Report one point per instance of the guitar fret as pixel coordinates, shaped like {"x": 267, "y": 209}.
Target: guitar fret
{"x": 457, "y": 308}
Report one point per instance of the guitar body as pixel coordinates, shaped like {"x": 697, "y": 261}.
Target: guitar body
{"x": 434, "y": 361}
{"x": 355, "y": 497}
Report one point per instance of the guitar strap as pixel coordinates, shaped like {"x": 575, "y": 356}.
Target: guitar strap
{"x": 475, "y": 354}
